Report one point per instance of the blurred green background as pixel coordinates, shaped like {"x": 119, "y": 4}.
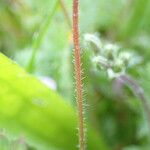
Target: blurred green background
{"x": 37, "y": 104}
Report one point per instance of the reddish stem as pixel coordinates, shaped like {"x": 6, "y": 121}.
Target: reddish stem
{"x": 77, "y": 66}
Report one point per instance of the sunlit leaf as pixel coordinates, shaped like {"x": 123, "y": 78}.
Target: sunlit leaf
{"x": 31, "y": 110}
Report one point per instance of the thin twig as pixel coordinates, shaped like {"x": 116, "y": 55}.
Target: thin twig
{"x": 66, "y": 15}
{"x": 42, "y": 32}
{"x": 77, "y": 65}
{"x": 138, "y": 91}
{"x": 39, "y": 38}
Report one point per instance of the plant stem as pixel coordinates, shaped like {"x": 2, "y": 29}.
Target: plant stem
{"x": 77, "y": 66}
{"x": 66, "y": 15}
{"x": 39, "y": 38}
{"x": 138, "y": 91}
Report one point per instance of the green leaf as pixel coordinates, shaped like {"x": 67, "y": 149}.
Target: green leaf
{"x": 31, "y": 110}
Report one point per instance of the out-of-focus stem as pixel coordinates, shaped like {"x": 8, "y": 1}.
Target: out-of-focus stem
{"x": 66, "y": 15}
{"x": 138, "y": 91}
{"x": 39, "y": 38}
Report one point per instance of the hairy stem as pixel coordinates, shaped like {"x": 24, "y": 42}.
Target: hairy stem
{"x": 77, "y": 66}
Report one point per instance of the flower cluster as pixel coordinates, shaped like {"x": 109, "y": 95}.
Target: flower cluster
{"x": 111, "y": 57}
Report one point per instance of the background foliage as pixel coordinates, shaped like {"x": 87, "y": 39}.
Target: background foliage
{"x": 37, "y": 36}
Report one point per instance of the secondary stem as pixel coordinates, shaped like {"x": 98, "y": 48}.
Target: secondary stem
{"x": 39, "y": 38}
{"x": 138, "y": 91}
{"x": 77, "y": 66}
{"x": 66, "y": 15}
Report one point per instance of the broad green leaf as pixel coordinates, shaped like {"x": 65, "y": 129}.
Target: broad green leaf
{"x": 31, "y": 110}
